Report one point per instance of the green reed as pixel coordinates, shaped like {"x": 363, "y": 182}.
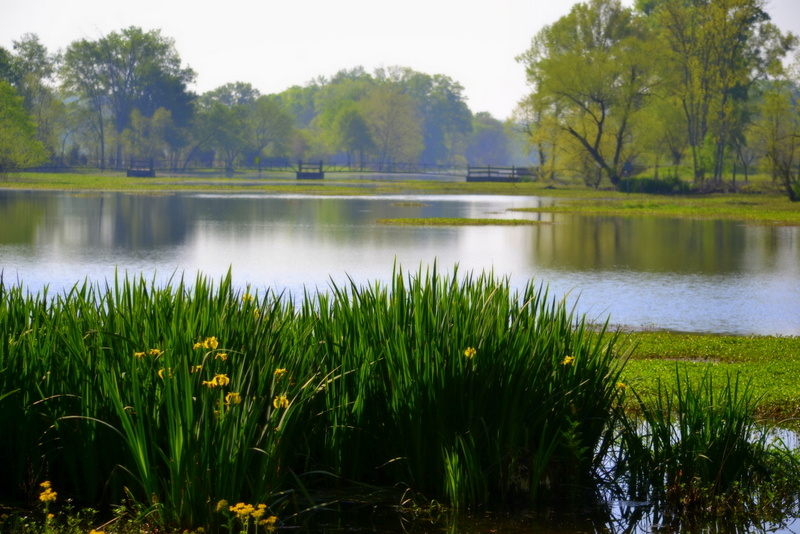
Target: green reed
{"x": 461, "y": 388}
{"x": 696, "y": 446}
{"x": 175, "y": 398}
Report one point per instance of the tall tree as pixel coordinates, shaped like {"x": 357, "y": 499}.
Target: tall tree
{"x": 714, "y": 49}
{"x": 19, "y": 147}
{"x": 124, "y": 71}
{"x": 352, "y": 132}
{"x": 237, "y": 121}
{"x": 488, "y": 143}
{"x": 595, "y": 69}
{"x": 778, "y": 128}
{"x": 35, "y": 69}
{"x": 441, "y": 107}
{"x": 394, "y": 125}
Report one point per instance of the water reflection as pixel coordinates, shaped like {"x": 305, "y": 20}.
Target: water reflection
{"x": 688, "y": 275}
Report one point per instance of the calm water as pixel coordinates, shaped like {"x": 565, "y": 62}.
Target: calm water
{"x": 685, "y": 275}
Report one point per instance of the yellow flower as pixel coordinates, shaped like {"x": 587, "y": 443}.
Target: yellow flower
{"x": 470, "y": 353}
{"x": 48, "y": 495}
{"x": 280, "y": 401}
{"x": 207, "y": 343}
{"x": 256, "y": 313}
{"x": 622, "y": 386}
{"x": 156, "y": 352}
{"x": 93, "y": 531}
{"x": 569, "y": 360}
{"x": 139, "y": 355}
{"x": 221, "y": 505}
{"x": 233, "y": 398}
{"x": 279, "y": 373}
{"x": 259, "y": 512}
{"x": 242, "y": 510}
{"x": 50, "y": 516}
{"x": 196, "y": 369}
{"x": 247, "y": 297}
{"x": 221, "y": 356}
{"x": 270, "y": 521}
{"x": 165, "y": 372}
{"x": 218, "y": 380}
{"x": 222, "y": 380}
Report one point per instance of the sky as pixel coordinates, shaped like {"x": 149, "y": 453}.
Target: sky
{"x": 274, "y": 45}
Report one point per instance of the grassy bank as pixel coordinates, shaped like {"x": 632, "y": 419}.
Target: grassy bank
{"x": 754, "y": 209}
{"x": 762, "y": 205}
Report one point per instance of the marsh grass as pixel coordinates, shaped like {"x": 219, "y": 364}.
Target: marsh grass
{"x": 177, "y": 397}
{"x": 165, "y": 400}
{"x": 695, "y": 446}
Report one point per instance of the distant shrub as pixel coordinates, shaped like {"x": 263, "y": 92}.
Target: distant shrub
{"x": 667, "y": 186}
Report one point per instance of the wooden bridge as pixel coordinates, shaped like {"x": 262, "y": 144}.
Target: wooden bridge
{"x": 498, "y": 174}
{"x": 141, "y": 169}
{"x": 309, "y": 172}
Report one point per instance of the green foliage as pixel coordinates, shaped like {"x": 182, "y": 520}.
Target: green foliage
{"x": 697, "y": 447}
{"x": 19, "y": 147}
{"x": 666, "y": 186}
{"x": 175, "y": 398}
{"x": 172, "y": 399}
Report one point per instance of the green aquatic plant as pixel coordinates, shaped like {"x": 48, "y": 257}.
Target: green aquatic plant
{"x": 694, "y": 446}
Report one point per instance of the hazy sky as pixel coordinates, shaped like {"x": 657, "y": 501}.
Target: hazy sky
{"x": 276, "y": 44}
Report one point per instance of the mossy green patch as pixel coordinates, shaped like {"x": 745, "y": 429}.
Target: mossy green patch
{"x": 755, "y": 209}
{"x": 770, "y": 363}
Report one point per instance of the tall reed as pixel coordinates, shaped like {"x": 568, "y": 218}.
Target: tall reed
{"x": 461, "y": 388}
{"x": 177, "y": 397}
{"x": 697, "y": 446}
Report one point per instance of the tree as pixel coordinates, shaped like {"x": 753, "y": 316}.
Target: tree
{"x": 595, "y": 69}
{"x": 539, "y": 121}
{"x": 394, "y": 125}
{"x": 269, "y": 125}
{"x": 352, "y": 132}
{"x": 488, "y": 143}
{"x": 124, "y": 71}
{"x": 35, "y": 69}
{"x": 779, "y": 127}
{"x": 713, "y": 50}
{"x": 19, "y": 147}
{"x": 238, "y": 121}
{"x": 441, "y": 107}
{"x": 146, "y": 137}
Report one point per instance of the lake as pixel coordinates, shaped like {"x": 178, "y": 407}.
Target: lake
{"x": 642, "y": 272}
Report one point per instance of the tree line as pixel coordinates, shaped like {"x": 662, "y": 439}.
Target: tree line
{"x": 127, "y": 96}
{"x": 668, "y": 84}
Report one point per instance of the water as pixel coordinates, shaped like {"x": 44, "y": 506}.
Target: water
{"x": 678, "y": 274}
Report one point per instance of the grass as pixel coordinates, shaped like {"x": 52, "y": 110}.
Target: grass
{"x": 762, "y": 203}
{"x": 179, "y": 401}
{"x": 754, "y": 209}
{"x": 175, "y": 398}
{"x": 769, "y": 363}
